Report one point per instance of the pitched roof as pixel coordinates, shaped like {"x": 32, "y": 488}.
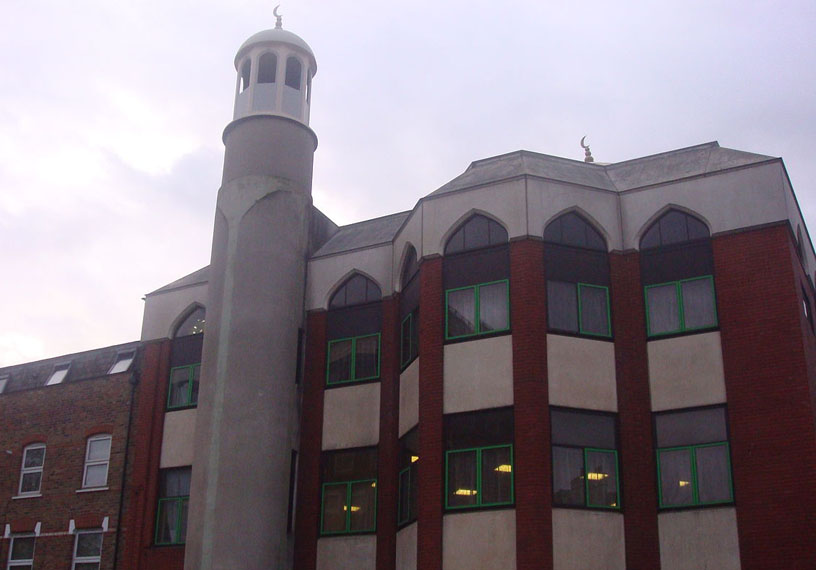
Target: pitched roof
{"x": 364, "y": 234}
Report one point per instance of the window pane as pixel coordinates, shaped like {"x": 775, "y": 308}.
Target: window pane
{"x": 602, "y": 479}
{"x": 562, "y": 306}
{"x": 89, "y": 544}
{"x": 568, "y": 476}
{"x": 99, "y": 449}
{"x": 196, "y": 376}
{"x": 462, "y": 478}
{"x": 675, "y": 477}
{"x": 175, "y": 482}
{"x": 168, "y": 518}
{"x": 293, "y": 73}
{"x": 583, "y": 429}
{"x": 22, "y": 548}
{"x": 594, "y": 310}
{"x": 415, "y": 334}
{"x": 34, "y": 457}
{"x": 405, "y": 338}
{"x": 367, "y": 358}
{"x": 664, "y": 315}
{"x": 692, "y": 427}
{"x": 31, "y": 482}
{"x": 334, "y": 508}
{"x": 404, "y": 496}
{"x": 476, "y": 233}
{"x": 461, "y": 312}
{"x": 183, "y": 507}
{"x": 493, "y": 309}
{"x": 179, "y": 380}
{"x": 673, "y": 227}
{"x": 363, "y": 505}
{"x": 713, "y": 474}
{"x": 340, "y": 361}
{"x": 497, "y": 475}
{"x": 267, "y": 66}
{"x": 96, "y": 475}
{"x": 698, "y": 303}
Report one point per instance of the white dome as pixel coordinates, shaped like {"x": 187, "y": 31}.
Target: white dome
{"x": 275, "y": 36}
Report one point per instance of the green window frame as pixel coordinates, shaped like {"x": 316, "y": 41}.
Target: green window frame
{"x": 176, "y": 508}
{"x": 588, "y": 475}
{"x": 680, "y": 306}
{"x": 477, "y": 324}
{"x": 348, "y": 507}
{"x": 578, "y": 324}
{"x": 183, "y": 397}
{"x": 403, "y": 501}
{"x": 352, "y": 370}
{"x": 479, "y": 477}
{"x": 695, "y": 479}
{"x": 171, "y": 511}
{"x": 409, "y": 339}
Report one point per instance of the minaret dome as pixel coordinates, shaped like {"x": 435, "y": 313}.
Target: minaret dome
{"x": 275, "y": 69}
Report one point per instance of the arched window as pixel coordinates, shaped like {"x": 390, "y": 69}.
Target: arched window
{"x": 677, "y": 270}
{"x": 245, "y": 69}
{"x": 577, "y": 269}
{"x": 193, "y": 323}
{"x": 267, "y": 68}
{"x": 293, "y": 71}
{"x": 409, "y": 309}
{"x": 476, "y": 273}
{"x": 353, "y": 330}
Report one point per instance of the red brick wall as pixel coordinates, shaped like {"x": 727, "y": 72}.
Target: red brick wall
{"x": 388, "y": 451}
{"x": 533, "y": 476}
{"x": 773, "y": 441}
{"x": 431, "y": 333}
{"x": 60, "y": 416}
{"x": 638, "y": 469}
{"x": 307, "y": 520}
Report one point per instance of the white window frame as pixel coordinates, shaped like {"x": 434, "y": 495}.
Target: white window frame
{"x": 125, "y": 356}
{"x": 29, "y": 562}
{"x": 93, "y": 462}
{"x": 59, "y": 374}
{"x": 87, "y": 559}
{"x": 27, "y": 470}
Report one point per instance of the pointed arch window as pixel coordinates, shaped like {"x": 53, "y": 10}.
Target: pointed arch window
{"x": 185, "y": 361}
{"x": 577, "y": 269}
{"x": 409, "y": 309}
{"x": 293, "y": 72}
{"x": 476, "y": 273}
{"x": 353, "y": 328}
{"x": 677, "y": 270}
{"x": 267, "y": 68}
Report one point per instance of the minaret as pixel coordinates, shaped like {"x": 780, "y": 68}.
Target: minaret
{"x": 246, "y": 426}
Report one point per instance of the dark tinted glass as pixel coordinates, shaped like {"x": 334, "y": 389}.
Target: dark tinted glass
{"x": 568, "y": 476}
{"x": 350, "y": 465}
{"x": 691, "y": 427}
{"x": 481, "y": 266}
{"x": 411, "y": 266}
{"x": 175, "y": 482}
{"x": 582, "y": 429}
{"x": 477, "y": 232}
{"x": 497, "y": 475}
{"x": 675, "y": 477}
{"x": 673, "y": 227}
{"x": 462, "y": 485}
{"x": 562, "y": 306}
{"x": 477, "y": 429}
{"x": 354, "y": 321}
{"x": 573, "y": 230}
{"x": 193, "y": 324}
{"x": 713, "y": 474}
{"x": 356, "y": 290}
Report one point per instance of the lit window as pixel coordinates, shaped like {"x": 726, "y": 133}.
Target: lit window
{"x": 408, "y": 477}
{"x": 174, "y": 498}
{"x": 585, "y": 459}
{"x": 349, "y": 497}
{"x": 87, "y": 550}
{"x": 58, "y": 374}
{"x": 123, "y": 362}
{"x": 693, "y": 458}
{"x": 97, "y": 457}
{"x": 32, "y": 469}
{"x": 183, "y": 389}
{"x": 479, "y": 459}
{"x": 354, "y": 359}
{"x": 677, "y": 267}
{"x": 21, "y": 553}
{"x": 193, "y": 323}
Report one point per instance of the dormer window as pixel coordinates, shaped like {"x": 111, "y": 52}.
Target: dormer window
{"x": 123, "y": 361}
{"x": 293, "y": 71}
{"x": 245, "y": 69}
{"x": 267, "y": 68}
{"x": 59, "y": 374}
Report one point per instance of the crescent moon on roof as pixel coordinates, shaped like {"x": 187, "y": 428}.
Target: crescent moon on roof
{"x": 275, "y": 11}
{"x": 582, "y": 142}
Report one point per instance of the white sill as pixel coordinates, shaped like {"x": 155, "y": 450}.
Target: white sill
{"x": 27, "y": 496}
{"x": 92, "y": 489}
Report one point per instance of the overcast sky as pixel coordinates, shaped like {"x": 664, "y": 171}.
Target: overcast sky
{"x": 111, "y": 114}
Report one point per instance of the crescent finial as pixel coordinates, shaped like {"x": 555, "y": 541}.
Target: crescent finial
{"x": 587, "y": 153}
{"x": 583, "y": 146}
{"x": 278, "y": 18}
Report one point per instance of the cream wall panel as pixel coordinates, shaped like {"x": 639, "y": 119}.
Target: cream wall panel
{"x": 547, "y": 199}
{"x": 581, "y": 373}
{"x": 505, "y": 201}
{"x": 478, "y": 374}
{"x": 351, "y": 416}
{"x": 686, "y": 371}
{"x": 162, "y": 310}
{"x": 327, "y": 272}
{"x": 699, "y": 538}
{"x": 727, "y": 201}
{"x": 177, "y": 438}
{"x": 407, "y": 548}
{"x": 588, "y": 539}
{"x": 409, "y": 397}
{"x": 347, "y": 553}
{"x": 484, "y": 539}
